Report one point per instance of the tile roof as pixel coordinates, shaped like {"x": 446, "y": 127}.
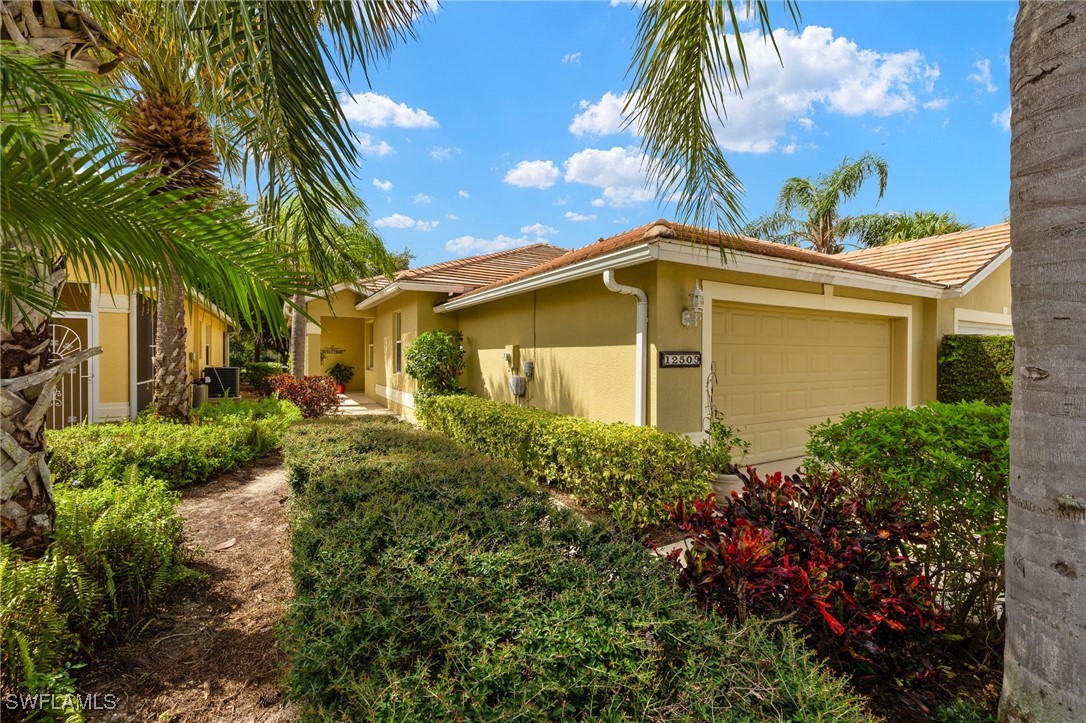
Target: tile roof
{"x": 473, "y": 270}
{"x": 949, "y": 260}
{"x": 667, "y": 230}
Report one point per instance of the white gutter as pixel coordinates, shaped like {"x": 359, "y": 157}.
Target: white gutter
{"x": 580, "y": 270}
{"x": 642, "y": 333}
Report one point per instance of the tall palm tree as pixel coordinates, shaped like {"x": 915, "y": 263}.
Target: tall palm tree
{"x": 1044, "y": 675}
{"x": 65, "y": 202}
{"x": 880, "y": 229}
{"x": 257, "y": 69}
{"x": 819, "y": 202}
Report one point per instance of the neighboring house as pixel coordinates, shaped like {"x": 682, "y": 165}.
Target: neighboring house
{"x": 777, "y": 337}
{"x": 119, "y": 317}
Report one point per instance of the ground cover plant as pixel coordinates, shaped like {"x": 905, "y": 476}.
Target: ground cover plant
{"x": 948, "y": 464}
{"x": 433, "y": 583}
{"x": 632, "y": 473}
{"x": 802, "y": 549}
{"x": 116, "y": 551}
{"x": 220, "y": 437}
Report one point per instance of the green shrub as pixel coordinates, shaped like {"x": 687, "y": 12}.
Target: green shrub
{"x": 634, "y": 473}
{"x": 315, "y": 396}
{"x": 117, "y": 550}
{"x": 221, "y": 437}
{"x": 976, "y": 368}
{"x": 259, "y": 373}
{"x": 435, "y": 360}
{"x": 434, "y": 584}
{"x": 949, "y": 463}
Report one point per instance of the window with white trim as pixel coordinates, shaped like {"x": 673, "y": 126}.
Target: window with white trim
{"x": 397, "y": 341}
{"x": 369, "y": 345}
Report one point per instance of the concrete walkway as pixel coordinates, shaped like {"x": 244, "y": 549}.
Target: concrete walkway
{"x": 355, "y": 404}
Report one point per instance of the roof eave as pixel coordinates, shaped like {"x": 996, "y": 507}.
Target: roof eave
{"x": 397, "y": 287}
{"x": 985, "y": 271}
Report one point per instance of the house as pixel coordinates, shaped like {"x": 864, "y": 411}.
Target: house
{"x": 118, "y": 316}
{"x": 657, "y": 326}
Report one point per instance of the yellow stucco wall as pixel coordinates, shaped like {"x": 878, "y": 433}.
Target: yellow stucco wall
{"x": 993, "y": 295}
{"x": 113, "y": 379}
{"x": 338, "y": 325}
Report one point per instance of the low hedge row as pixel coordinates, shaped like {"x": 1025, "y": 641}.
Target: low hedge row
{"x": 116, "y": 551}
{"x": 974, "y": 367}
{"x": 433, "y": 583}
{"x": 949, "y": 463}
{"x": 634, "y": 473}
{"x": 220, "y": 437}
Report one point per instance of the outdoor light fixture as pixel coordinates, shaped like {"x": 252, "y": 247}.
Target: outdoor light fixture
{"x": 692, "y": 316}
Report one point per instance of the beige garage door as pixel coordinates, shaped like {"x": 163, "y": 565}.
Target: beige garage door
{"x": 781, "y": 370}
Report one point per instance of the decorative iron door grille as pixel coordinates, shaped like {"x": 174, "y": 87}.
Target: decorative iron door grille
{"x": 71, "y": 398}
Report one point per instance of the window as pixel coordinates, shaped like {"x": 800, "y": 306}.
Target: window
{"x": 207, "y": 344}
{"x": 369, "y": 345}
{"x": 397, "y": 341}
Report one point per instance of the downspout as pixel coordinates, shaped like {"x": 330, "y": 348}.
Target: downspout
{"x": 642, "y": 334}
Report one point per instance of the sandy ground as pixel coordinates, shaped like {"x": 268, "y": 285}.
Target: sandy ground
{"x": 211, "y": 653}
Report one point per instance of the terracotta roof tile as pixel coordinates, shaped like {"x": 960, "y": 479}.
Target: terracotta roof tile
{"x": 473, "y": 270}
{"x": 950, "y": 259}
{"x": 667, "y": 230}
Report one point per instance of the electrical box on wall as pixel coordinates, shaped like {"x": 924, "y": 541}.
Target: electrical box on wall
{"x": 512, "y": 357}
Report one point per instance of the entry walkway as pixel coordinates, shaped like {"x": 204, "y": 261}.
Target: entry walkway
{"x": 356, "y": 404}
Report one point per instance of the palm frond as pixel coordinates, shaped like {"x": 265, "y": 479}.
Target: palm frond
{"x": 685, "y": 64}
{"x": 846, "y": 180}
{"x": 777, "y": 226}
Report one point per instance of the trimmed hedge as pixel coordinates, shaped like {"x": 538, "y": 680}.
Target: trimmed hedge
{"x": 974, "y": 367}
{"x": 259, "y": 374}
{"x": 432, "y": 583}
{"x": 118, "y": 548}
{"x": 220, "y": 437}
{"x": 949, "y": 463}
{"x": 634, "y": 473}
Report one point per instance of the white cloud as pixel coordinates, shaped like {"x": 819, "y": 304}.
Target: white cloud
{"x": 574, "y": 58}
{"x": 821, "y": 72}
{"x": 571, "y": 216}
{"x": 618, "y": 171}
{"x": 474, "y": 244}
{"x": 452, "y": 217}
{"x": 398, "y": 220}
{"x": 383, "y": 185}
{"x": 539, "y": 229}
{"x": 936, "y": 104}
{"x": 463, "y": 194}
{"x": 622, "y": 219}
{"x": 1003, "y": 118}
{"x": 443, "y": 153}
{"x": 373, "y": 147}
{"x": 982, "y": 78}
{"x": 601, "y": 118}
{"x": 562, "y": 201}
{"x": 378, "y": 111}
{"x": 422, "y": 198}
{"x": 532, "y": 174}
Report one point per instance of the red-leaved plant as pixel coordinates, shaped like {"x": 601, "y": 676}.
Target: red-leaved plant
{"x": 315, "y": 396}
{"x": 798, "y": 548}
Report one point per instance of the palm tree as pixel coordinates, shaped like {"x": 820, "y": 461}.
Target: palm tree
{"x": 66, "y": 202}
{"x": 821, "y": 224}
{"x": 257, "y": 69}
{"x": 880, "y": 229}
{"x": 1045, "y": 655}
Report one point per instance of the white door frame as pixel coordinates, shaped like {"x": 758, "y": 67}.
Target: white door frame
{"x": 826, "y": 301}
{"x": 92, "y": 331}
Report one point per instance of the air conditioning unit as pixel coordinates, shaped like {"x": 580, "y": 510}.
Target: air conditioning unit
{"x": 222, "y": 381}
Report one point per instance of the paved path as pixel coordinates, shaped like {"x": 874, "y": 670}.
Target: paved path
{"x": 359, "y": 405}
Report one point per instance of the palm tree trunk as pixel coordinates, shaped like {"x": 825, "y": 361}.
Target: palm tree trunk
{"x": 298, "y": 326}
{"x": 171, "y": 396}
{"x": 1045, "y": 654}
{"x": 28, "y": 381}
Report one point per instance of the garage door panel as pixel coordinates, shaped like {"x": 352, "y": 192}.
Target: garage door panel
{"x": 785, "y": 370}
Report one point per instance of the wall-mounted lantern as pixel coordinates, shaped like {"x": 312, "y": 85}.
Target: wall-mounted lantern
{"x": 692, "y": 315}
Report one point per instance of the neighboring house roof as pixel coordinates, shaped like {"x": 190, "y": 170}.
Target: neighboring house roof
{"x": 460, "y": 275}
{"x": 950, "y": 259}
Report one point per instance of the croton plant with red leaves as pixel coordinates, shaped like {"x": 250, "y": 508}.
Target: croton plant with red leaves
{"x": 315, "y": 396}
{"x": 798, "y": 548}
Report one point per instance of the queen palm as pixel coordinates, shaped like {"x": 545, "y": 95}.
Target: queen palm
{"x": 880, "y": 229}
{"x": 680, "y": 43}
{"x": 809, "y": 212}
{"x": 257, "y": 69}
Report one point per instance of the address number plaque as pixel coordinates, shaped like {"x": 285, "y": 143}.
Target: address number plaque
{"x": 672, "y": 359}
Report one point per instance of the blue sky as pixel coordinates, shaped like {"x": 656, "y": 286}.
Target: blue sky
{"x": 498, "y": 126}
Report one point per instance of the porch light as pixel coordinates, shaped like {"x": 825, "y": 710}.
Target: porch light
{"x": 692, "y": 316}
